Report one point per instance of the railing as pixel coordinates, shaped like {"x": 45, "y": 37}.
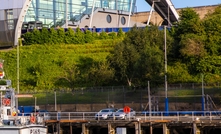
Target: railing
{"x": 184, "y": 116}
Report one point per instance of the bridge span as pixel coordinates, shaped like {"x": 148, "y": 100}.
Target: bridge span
{"x": 165, "y": 9}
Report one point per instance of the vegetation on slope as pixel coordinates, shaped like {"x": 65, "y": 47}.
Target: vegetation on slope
{"x": 74, "y": 59}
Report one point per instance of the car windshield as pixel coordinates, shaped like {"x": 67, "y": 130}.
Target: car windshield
{"x": 121, "y": 110}
{"x": 105, "y": 110}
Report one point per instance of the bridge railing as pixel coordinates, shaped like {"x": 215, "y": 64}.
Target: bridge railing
{"x": 185, "y": 116}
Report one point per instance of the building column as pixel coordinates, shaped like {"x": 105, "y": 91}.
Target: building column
{"x": 111, "y": 130}
{"x": 195, "y": 129}
{"x": 165, "y": 129}
{"x": 85, "y": 130}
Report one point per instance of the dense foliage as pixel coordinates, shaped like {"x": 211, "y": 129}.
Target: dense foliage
{"x": 69, "y": 59}
{"x": 59, "y": 36}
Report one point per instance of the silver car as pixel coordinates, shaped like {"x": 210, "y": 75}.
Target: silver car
{"x": 121, "y": 115}
{"x": 105, "y": 113}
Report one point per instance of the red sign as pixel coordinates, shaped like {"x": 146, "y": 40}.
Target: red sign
{"x": 126, "y": 109}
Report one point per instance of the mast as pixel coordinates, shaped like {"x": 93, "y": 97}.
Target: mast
{"x": 18, "y": 67}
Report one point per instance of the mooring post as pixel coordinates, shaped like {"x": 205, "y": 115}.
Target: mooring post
{"x": 84, "y": 129}
{"x": 110, "y": 129}
{"x": 165, "y": 129}
{"x": 70, "y": 128}
{"x": 151, "y": 128}
{"x": 195, "y": 129}
{"x": 137, "y": 128}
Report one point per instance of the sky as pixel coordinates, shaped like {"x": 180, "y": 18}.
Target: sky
{"x": 143, "y": 6}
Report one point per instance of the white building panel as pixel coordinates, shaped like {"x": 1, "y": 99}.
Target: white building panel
{"x": 11, "y": 4}
{"x": 2, "y": 16}
{"x": 16, "y": 13}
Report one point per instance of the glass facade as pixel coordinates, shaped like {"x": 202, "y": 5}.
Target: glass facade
{"x": 53, "y": 13}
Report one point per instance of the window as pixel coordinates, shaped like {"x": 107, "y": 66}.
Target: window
{"x": 109, "y": 19}
{"x": 9, "y": 18}
{"x": 123, "y": 20}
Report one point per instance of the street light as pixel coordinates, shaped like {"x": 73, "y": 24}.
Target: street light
{"x": 203, "y": 99}
{"x": 165, "y": 58}
{"x": 55, "y": 101}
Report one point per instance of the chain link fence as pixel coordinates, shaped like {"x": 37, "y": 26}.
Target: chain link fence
{"x": 185, "y": 96}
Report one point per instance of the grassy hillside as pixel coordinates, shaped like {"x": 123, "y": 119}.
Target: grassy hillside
{"x": 40, "y": 65}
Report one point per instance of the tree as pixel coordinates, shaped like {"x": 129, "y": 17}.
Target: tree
{"x": 120, "y": 33}
{"x": 69, "y": 36}
{"x": 189, "y": 23}
{"x": 124, "y": 59}
{"x": 37, "y": 36}
{"x": 139, "y": 57}
{"x": 78, "y": 37}
{"x": 61, "y": 35}
{"x": 69, "y": 76}
{"x": 103, "y": 35}
{"x": 100, "y": 74}
{"x": 44, "y": 36}
{"x": 88, "y": 37}
{"x": 212, "y": 24}
{"x": 53, "y": 36}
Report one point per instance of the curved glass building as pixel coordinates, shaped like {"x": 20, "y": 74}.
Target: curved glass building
{"x": 16, "y": 15}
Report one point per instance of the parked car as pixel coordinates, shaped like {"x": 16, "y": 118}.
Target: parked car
{"x": 120, "y": 114}
{"x": 105, "y": 113}
{"x": 43, "y": 113}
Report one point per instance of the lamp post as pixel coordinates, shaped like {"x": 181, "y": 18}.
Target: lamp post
{"x": 149, "y": 99}
{"x": 55, "y": 101}
{"x": 203, "y": 99}
{"x": 165, "y": 58}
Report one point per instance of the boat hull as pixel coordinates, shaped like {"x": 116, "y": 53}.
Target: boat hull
{"x": 29, "y": 129}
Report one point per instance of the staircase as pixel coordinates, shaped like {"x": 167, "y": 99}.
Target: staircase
{"x": 84, "y": 13}
{"x": 210, "y": 105}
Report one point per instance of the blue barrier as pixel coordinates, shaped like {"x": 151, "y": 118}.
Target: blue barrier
{"x": 98, "y": 30}
{"x": 172, "y": 113}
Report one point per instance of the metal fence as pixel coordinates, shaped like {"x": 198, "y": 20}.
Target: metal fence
{"x": 182, "y": 97}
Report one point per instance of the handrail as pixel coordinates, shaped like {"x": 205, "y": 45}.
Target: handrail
{"x": 185, "y": 116}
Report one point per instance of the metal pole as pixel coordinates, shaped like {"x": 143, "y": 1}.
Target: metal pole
{"x": 203, "y": 99}
{"x": 16, "y": 98}
{"x": 18, "y": 67}
{"x": 165, "y": 56}
{"x": 128, "y": 24}
{"x": 66, "y": 14}
{"x": 151, "y": 11}
{"x": 35, "y": 105}
{"x": 149, "y": 99}
{"x": 92, "y": 13}
{"x": 55, "y": 101}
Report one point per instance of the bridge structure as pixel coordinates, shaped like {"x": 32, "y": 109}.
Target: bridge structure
{"x": 165, "y": 9}
{"x": 191, "y": 122}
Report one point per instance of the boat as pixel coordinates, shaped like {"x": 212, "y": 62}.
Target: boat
{"x": 12, "y": 121}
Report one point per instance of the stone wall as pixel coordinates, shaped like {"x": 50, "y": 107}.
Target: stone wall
{"x": 156, "y": 19}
